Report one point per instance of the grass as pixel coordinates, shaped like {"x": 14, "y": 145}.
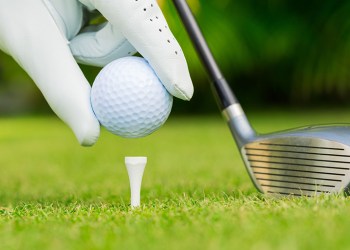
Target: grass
{"x": 196, "y": 193}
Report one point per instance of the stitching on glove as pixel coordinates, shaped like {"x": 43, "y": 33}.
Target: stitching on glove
{"x": 182, "y": 93}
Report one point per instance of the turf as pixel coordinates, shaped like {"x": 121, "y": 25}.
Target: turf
{"x": 196, "y": 193}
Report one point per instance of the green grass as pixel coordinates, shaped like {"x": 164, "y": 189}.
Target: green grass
{"x": 196, "y": 193}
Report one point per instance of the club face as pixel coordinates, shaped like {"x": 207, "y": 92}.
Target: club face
{"x": 304, "y": 162}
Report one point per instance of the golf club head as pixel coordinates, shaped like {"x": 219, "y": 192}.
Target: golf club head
{"x": 302, "y": 162}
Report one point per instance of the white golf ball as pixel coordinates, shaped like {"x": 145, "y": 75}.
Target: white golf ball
{"x": 128, "y": 98}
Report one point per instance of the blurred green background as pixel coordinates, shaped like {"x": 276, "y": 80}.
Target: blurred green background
{"x": 280, "y": 55}
{"x": 285, "y": 53}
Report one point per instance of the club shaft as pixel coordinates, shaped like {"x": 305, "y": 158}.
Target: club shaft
{"x": 229, "y": 105}
{"x": 225, "y": 96}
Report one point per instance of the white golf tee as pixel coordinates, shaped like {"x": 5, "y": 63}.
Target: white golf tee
{"x": 135, "y": 167}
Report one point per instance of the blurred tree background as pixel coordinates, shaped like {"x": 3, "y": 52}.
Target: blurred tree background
{"x": 272, "y": 52}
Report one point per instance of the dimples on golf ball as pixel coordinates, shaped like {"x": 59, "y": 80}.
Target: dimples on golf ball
{"x": 128, "y": 98}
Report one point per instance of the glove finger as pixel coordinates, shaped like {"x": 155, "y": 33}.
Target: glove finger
{"x": 145, "y": 27}
{"x": 44, "y": 54}
{"x": 100, "y": 47}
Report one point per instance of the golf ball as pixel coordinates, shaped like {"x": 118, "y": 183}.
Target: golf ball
{"x": 128, "y": 98}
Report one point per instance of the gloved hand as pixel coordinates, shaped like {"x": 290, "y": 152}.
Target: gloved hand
{"x": 44, "y": 36}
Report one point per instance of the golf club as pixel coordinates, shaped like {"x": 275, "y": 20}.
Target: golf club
{"x": 302, "y": 162}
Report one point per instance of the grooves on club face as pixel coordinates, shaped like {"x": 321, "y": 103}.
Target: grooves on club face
{"x": 304, "y": 162}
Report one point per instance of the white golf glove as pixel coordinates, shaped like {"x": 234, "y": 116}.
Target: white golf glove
{"x": 44, "y": 36}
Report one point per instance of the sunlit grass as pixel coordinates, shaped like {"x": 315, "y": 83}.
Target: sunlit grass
{"x": 196, "y": 193}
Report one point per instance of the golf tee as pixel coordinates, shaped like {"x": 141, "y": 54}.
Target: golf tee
{"x": 135, "y": 167}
